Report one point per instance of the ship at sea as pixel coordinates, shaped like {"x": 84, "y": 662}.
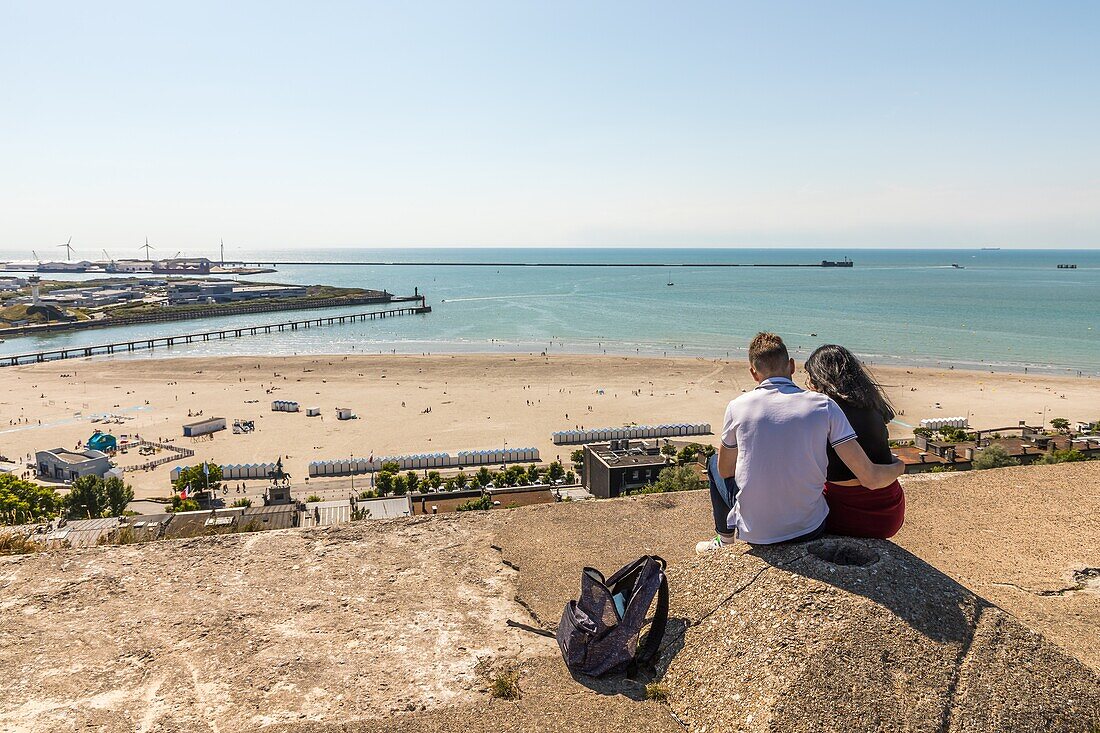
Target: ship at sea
{"x": 837, "y": 263}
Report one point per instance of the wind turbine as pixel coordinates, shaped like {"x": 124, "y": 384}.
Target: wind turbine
{"x": 68, "y": 248}
{"x": 147, "y": 247}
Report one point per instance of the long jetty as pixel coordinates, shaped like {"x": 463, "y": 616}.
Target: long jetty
{"x": 342, "y": 263}
{"x": 76, "y": 352}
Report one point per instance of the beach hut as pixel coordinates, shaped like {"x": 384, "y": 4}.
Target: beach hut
{"x": 313, "y": 411}
{"x": 204, "y": 427}
{"x": 344, "y": 413}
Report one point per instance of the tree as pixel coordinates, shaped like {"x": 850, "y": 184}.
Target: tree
{"x": 515, "y": 474}
{"x": 533, "y": 473}
{"x": 570, "y": 477}
{"x": 556, "y": 471}
{"x": 435, "y": 479}
{"x": 482, "y": 478}
{"x": 384, "y": 482}
{"x": 994, "y": 456}
{"x": 461, "y": 479}
{"x": 400, "y": 485}
{"x": 392, "y": 466}
{"x": 688, "y": 453}
{"x": 199, "y": 480}
{"x": 577, "y": 457}
{"x": 668, "y": 449}
{"x": 24, "y": 501}
{"x": 119, "y": 495}
{"x": 368, "y": 494}
{"x": 1060, "y": 424}
{"x": 87, "y": 498}
{"x": 675, "y": 478}
{"x": 412, "y": 481}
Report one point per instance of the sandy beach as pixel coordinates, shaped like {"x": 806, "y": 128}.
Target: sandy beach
{"x": 475, "y": 401}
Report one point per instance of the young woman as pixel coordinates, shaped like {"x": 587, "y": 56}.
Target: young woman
{"x": 853, "y": 509}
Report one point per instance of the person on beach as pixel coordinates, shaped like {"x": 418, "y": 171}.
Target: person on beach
{"x": 767, "y": 478}
{"x": 854, "y": 509}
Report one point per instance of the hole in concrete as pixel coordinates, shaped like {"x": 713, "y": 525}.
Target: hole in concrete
{"x": 850, "y": 554}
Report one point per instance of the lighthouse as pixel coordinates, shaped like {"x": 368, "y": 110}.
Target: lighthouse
{"x": 34, "y": 280}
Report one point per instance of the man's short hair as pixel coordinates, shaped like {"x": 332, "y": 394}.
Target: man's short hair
{"x": 768, "y": 354}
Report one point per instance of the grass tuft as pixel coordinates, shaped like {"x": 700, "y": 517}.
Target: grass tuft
{"x": 505, "y": 686}
{"x": 656, "y": 692}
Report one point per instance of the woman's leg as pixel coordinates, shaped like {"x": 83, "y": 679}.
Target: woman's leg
{"x": 856, "y": 511}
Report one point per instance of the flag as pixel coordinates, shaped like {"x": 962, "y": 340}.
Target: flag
{"x": 183, "y": 492}
{"x": 206, "y": 469}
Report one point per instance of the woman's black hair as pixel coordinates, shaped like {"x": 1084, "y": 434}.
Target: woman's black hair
{"x": 836, "y": 372}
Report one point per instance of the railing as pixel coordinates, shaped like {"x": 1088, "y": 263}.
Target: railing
{"x": 75, "y": 352}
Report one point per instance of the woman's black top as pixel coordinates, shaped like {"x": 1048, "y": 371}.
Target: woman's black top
{"x": 871, "y": 433}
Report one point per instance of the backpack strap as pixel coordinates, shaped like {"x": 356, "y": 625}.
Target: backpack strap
{"x": 647, "y": 653}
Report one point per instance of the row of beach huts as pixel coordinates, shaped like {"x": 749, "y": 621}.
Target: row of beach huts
{"x": 462, "y": 459}
{"x": 597, "y": 435}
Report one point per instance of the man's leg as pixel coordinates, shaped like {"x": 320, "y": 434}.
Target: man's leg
{"x": 723, "y": 492}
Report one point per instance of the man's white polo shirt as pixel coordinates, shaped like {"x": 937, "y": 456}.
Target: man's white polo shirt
{"x": 781, "y": 432}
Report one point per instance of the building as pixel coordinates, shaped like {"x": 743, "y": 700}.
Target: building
{"x": 204, "y": 427}
{"x": 203, "y": 522}
{"x": 102, "y": 442}
{"x": 620, "y": 466}
{"x": 81, "y": 532}
{"x": 146, "y": 527}
{"x": 281, "y": 516}
{"x": 1023, "y": 443}
{"x": 184, "y": 292}
{"x": 324, "y": 513}
{"x": 61, "y": 464}
{"x": 384, "y": 507}
{"x": 93, "y": 296}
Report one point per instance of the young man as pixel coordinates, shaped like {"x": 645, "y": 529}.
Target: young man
{"x": 774, "y": 443}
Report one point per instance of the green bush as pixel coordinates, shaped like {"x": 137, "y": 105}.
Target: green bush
{"x": 242, "y": 503}
{"x": 182, "y": 505}
{"x": 480, "y": 504}
{"x": 674, "y": 478}
{"x": 313, "y": 497}
{"x": 1069, "y": 455}
{"x": 994, "y": 456}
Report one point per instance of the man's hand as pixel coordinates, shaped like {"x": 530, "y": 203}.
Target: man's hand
{"x": 871, "y": 475}
{"x": 727, "y": 461}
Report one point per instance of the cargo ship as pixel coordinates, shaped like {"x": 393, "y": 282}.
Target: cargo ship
{"x": 837, "y": 263}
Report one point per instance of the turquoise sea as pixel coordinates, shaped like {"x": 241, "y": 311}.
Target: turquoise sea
{"x": 1004, "y": 309}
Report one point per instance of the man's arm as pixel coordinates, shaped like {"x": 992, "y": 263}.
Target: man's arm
{"x": 727, "y": 461}
{"x": 871, "y": 475}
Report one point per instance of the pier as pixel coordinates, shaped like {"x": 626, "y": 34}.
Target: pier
{"x": 275, "y": 263}
{"x": 76, "y": 352}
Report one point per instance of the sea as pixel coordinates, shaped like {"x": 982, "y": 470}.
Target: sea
{"x": 1004, "y": 310}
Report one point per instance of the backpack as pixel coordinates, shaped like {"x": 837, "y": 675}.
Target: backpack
{"x": 599, "y": 632}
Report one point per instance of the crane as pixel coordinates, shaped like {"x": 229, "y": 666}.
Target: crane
{"x": 68, "y": 248}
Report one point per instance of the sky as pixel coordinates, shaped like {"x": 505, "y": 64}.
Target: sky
{"x": 511, "y": 123}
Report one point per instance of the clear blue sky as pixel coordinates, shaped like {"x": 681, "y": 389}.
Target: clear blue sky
{"x": 560, "y": 123}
